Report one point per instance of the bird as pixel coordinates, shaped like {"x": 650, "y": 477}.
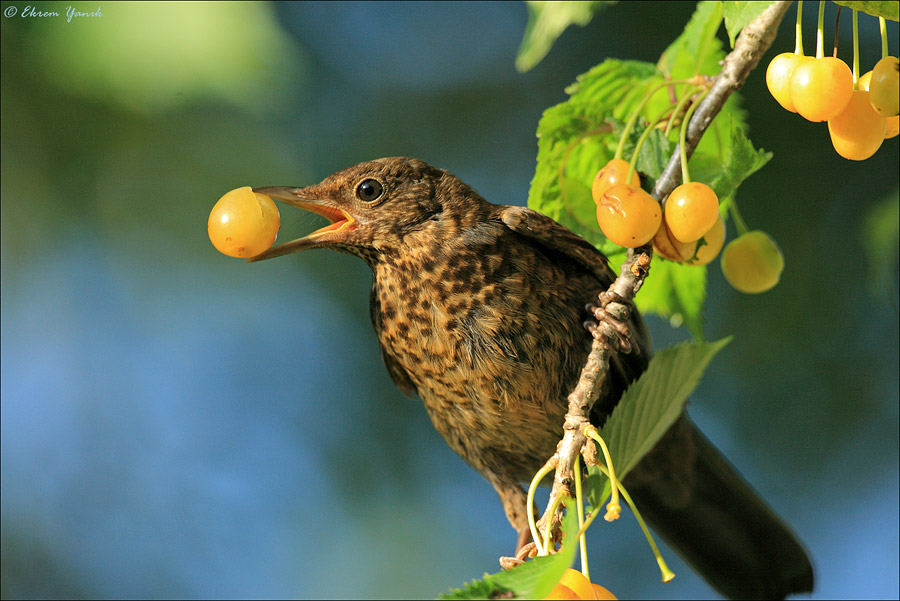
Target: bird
{"x": 479, "y": 311}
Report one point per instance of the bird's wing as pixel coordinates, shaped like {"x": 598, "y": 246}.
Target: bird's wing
{"x": 560, "y": 240}
{"x": 550, "y": 234}
{"x": 398, "y": 374}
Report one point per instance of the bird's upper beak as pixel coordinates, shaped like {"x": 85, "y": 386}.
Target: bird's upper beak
{"x": 308, "y": 199}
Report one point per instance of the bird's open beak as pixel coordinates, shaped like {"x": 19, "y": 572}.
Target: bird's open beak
{"x": 305, "y": 198}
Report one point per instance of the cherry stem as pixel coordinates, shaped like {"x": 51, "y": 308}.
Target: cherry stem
{"x": 640, "y": 143}
{"x": 549, "y": 527}
{"x": 738, "y": 219}
{"x": 884, "y": 43}
{"x": 685, "y": 174}
{"x": 535, "y": 535}
{"x": 681, "y": 102}
{"x": 837, "y": 22}
{"x": 820, "y": 37}
{"x": 593, "y": 434}
{"x": 582, "y": 541}
{"x": 798, "y": 45}
{"x": 634, "y": 116}
{"x": 855, "y": 53}
{"x": 667, "y": 574}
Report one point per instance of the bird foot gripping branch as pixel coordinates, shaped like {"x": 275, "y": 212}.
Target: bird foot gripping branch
{"x": 615, "y": 328}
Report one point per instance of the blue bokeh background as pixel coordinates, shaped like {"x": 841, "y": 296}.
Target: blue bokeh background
{"x": 179, "y": 424}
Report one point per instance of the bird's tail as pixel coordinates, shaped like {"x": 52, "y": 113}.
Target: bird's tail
{"x": 722, "y": 527}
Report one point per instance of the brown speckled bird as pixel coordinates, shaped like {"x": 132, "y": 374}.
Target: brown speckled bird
{"x": 479, "y": 310}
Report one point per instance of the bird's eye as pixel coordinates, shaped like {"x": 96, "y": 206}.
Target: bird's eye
{"x": 369, "y": 190}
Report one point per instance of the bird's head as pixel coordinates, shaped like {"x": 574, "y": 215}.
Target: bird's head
{"x": 372, "y": 206}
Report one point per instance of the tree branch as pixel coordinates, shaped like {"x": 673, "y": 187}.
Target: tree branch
{"x": 751, "y": 44}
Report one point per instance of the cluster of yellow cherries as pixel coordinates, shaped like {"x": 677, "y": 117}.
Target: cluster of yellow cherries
{"x": 861, "y": 112}
{"x": 690, "y": 229}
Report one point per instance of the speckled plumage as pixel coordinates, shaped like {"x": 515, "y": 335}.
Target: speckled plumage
{"x": 478, "y": 309}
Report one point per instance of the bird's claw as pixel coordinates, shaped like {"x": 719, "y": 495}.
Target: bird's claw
{"x": 526, "y": 551}
{"x": 614, "y": 329}
{"x": 508, "y": 563}
{"x": 611, "y": 296}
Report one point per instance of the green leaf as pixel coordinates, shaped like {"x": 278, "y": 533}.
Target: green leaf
{"x": 889, "y": 9}
{"x": 477, "y": 589}
{"x": 739, "y": 14}
{"x": 576, "y": 138}
{"x": 560, "y": 186}
{"x": 651, "y": 404}
{"x": 613, "y": 81}
{"x": 653, "y": 156}
{"x": 691, "y": 51}
{"x": 533, "y": 579}
{"x": 676, "y": 292}
{"x": 597, "y": 487}
{"x": 744, "y": 161}
{"x": 546, "y": 22}
{"x": 699, "y": 51}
